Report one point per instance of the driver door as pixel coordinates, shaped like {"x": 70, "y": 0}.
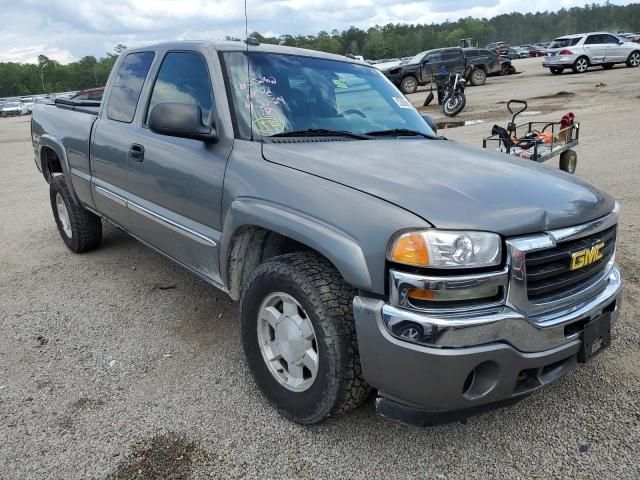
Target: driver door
{"x": 176, "y": 183}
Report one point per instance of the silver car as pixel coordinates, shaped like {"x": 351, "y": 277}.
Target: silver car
{"x": 581, "y": 51}
{"x": 12, "y": 109}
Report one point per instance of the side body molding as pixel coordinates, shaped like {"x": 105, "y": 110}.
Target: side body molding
{"x": 342, "y": 250}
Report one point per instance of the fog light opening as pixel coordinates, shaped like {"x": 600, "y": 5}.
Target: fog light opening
{"x": 481, "y": 380}
{"x": 410, "y": 331}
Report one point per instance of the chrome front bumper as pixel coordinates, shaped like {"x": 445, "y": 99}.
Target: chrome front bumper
{"x": 528, "y": 326}
{"x": 505, "y": 324}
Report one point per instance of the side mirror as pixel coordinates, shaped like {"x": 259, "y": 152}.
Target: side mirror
{"x": 431, "y": 122}
{"x": 180, "y": 120}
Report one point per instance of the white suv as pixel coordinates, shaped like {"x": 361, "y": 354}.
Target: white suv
{"x": 583, "y": 50}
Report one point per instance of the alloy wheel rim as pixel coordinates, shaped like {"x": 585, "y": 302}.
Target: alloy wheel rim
{"x": 582, "y": 65}
{"x": 287, "y": 342}
{"x": 635, "y": 59}
{"x": 409, "y": 84}
{"x": 63, "y": 215}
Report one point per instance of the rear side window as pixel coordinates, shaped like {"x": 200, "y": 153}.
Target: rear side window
{"x": 128, "y": 85}
{"x": 564, "y": 42}
{"x": 593, "y": 39}
{"x": 183, "y": 78}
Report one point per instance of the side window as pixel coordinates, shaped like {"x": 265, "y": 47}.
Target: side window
{"x": 183, "y": 78}
{"x": 450, "y": 55}
{"x": 592, "y": 40}
{"x": 433, "y": 57}
{"x": 471, "y": 53}
{"x": 128, "y": 85}
{"x": 609, "y": 39}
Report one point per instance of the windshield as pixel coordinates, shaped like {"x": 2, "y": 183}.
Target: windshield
{"x": 291, "y": 93}
{"x": 417, "y": 58}
{"x": 11, "y": 104}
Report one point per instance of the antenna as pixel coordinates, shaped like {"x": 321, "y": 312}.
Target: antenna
{"x": 246, "y": 36}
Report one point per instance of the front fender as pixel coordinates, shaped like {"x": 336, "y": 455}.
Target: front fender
{"x": 337, "y": 246}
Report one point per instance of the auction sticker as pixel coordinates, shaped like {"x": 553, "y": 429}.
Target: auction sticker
{"x": 402, "y": 102}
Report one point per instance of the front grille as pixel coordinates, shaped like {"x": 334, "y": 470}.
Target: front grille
{"x": 549, "y": 271}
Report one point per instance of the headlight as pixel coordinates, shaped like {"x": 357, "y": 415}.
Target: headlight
{"x": 446, "y": 249}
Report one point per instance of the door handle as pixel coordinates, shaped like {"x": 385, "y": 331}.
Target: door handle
{"x": 136, "y": 152}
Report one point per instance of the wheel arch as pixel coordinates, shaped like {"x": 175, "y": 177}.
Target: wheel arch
{"x": 256, "y": 230}
{"x": 53, "y": 160}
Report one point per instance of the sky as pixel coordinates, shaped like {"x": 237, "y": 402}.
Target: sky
{"x": 67, "y": 30}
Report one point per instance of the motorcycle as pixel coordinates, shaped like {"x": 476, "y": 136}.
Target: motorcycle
{"x": 454, "y": 99}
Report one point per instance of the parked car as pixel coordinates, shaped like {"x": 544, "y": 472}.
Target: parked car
{"x": 538, "y": 50}
{"x": 450, "y": 280}
{"x": 581, "y": 51}
{"x": 630, "y": 37}
{"x": 29, "y": 102}
{"x": 516, "y": 52}
{"x": 473, "y": 63}
{"x": 91, "y": 94}
{"x": 13, "y": 109}
{"x": 500, "y": 48}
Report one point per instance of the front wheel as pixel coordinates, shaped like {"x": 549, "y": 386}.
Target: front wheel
{"x": 633, "y": 60}
{"x": 556, "y": 70}
{"x": 454, "y": 104}
{"x": 298, "y": 334}
{"x": 478, "y": 77}
{"x": 409, "y": 84}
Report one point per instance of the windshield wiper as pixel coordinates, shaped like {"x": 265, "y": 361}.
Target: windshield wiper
{"x": 320, "y": 132}
{"x": 397, "y": 132}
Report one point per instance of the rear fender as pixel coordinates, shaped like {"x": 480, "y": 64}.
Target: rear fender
{"x": 49, "y": 141}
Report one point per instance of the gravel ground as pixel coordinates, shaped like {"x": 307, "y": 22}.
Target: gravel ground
{"x": 118, "y": 364}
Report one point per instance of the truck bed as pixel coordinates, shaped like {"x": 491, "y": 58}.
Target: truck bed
{"x": 67, "y": 124}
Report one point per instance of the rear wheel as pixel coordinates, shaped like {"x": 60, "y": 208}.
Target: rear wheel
{"x": 298, "y": 334}
{"x": 580, "y": 65}
{"x": 409, "y": 84}
{"x": 634, "y": 59}
{"x": 80, "y": 229}
{"x": 478, "y": 77}
{"x": 569, "y": 161}
{"x": 556, "y": 70}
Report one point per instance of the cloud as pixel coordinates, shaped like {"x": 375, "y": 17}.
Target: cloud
{"x": 67, "y": 30}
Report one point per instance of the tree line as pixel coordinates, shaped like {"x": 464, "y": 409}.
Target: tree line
{"x": 387, "y": 41}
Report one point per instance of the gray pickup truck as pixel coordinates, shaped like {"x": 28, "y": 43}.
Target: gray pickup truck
{"x": 366, "y": 252}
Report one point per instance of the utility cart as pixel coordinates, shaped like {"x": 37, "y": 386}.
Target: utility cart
{"x": 538, "y": 141}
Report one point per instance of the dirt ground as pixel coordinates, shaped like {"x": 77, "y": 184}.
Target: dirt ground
{"x": 119, "y": 364}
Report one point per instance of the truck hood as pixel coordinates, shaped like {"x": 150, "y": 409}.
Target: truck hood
{"x": 451, "y": 185}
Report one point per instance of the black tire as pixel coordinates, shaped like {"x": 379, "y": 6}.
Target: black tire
{"x": 581, "y": 65}
{"x": 634, "y": 59}
{"x": 607, "y": 66}
{"x": 453, "y": 105}
{"x": 409, "y": 84}
{"x": 86, "y": 228}
{"x": 556, "y": 70}
{"x": 569, "y": 161}
{"x": 505, "y": 68}
{"x": 327, "y": 300}
{"x": 478, "y": 77}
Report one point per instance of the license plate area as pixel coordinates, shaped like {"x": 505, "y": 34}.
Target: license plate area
{"x": 596, "y": 337}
